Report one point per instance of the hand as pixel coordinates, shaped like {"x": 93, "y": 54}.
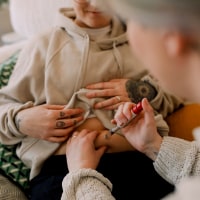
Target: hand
{"x": 81, "y": 152}
{"x": 141, "y": 132}
{"x": 115, "y": 89}
{"x": 53, "y": 123}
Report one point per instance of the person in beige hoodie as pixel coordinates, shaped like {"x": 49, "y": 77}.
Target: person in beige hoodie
{"x": 47, "y": 98}
{"x": 165, "y": 37}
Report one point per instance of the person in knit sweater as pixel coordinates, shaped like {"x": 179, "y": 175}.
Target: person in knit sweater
{"x": 165, "y": 37}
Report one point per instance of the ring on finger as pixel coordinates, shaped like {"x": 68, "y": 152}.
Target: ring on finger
{"x": 75, "y": 122}
{"x": 118, "y": 98}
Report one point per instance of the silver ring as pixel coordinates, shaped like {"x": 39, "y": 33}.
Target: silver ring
{"x": 118, "y": 98}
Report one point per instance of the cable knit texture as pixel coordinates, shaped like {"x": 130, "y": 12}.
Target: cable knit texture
{"x": 177, "y": 159}
{"x": 80, "y": 185}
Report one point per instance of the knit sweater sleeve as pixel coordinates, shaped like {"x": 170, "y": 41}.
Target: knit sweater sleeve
{"x": 178, "y": 159}
{"x": 86, "y": 184}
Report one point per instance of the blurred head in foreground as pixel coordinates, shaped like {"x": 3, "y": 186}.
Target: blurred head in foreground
{"x": 165, "y": 36}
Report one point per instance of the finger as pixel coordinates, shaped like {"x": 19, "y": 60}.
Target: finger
{"x": 90, "y": 134}
{"x": 54, "y": 107}
{"x": 118, "y": 118}
{"x": 127, "y": 110}
{"x": 65, "y": 123}
{"x": 67, "y": 132}
{"x": 123, "y": 114}
{"x": 73, "y": 135}
{"x": 69, "y": 113}
{"x": 60, "y": 124}
{"x": 148, "y": 110}
{"x": 105, "y": 103}
{"x": 82, "y": 133}
{"x": 100, "y": 85}
{"x": 101, "y": 150}
{"x": 72, "y": 112}
{"x": 111, "y": 103}
{"x": 93, "y": 135}
{"x": 63, "y": 115}
{"x": 102, "y": 93}
{"x": 113, "y": 107}
{"x": 57, "y": 139}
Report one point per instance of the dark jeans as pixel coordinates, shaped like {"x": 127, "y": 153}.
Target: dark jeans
{"x": 131, "y": 173}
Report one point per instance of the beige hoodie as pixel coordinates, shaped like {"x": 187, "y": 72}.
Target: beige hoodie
{"x": 53, "y": 67}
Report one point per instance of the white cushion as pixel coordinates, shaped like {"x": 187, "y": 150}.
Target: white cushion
{"x": 7, "y": 50}
{"x": 29, "y": 17}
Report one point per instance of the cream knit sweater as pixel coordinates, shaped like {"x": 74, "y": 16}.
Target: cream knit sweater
{"x": 177, "y": 160}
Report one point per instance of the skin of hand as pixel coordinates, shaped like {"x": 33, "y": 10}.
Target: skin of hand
{"x": 81, "y": 151}
{"x": 53, "y": 123}
{"x": 112, "y": 89}
{"x": 141, "y": 132}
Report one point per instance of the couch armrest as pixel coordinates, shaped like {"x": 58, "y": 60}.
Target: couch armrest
{"x": 7, "y": 50}
{"x": 183, "y": 121}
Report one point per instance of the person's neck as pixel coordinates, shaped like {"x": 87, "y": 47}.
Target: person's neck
{"x": 98, "y": 33}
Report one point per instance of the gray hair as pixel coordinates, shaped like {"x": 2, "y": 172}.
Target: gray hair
{"x": 180, "y": 14}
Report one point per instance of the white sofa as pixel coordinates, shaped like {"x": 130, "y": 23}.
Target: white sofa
{"x": 27, "y": 18}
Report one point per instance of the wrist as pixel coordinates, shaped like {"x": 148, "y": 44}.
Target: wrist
{"x": 153, "y": 148}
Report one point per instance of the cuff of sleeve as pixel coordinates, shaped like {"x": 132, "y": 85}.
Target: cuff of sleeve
{"x": 77, "y": 175}
{"x": 11, "y": 118}
{"x": 73, "y": 180}
{"x": 175, "y": 159}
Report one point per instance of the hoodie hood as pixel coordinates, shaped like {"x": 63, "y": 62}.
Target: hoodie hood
{"x": 116, "y": 37}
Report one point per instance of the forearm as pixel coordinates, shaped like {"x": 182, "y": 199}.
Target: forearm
{"x": 177, "y": 158}
{"x": 9, "y": 131}
{"x": 115, "y": 143}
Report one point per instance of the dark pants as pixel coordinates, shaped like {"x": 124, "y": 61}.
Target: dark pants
{"x": 131, "y": 173}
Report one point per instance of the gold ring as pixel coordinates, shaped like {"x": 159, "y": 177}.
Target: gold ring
{"x": 118, "y": 98}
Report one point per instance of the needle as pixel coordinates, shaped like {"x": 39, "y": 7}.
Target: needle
{"x": 135, "y": 110}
